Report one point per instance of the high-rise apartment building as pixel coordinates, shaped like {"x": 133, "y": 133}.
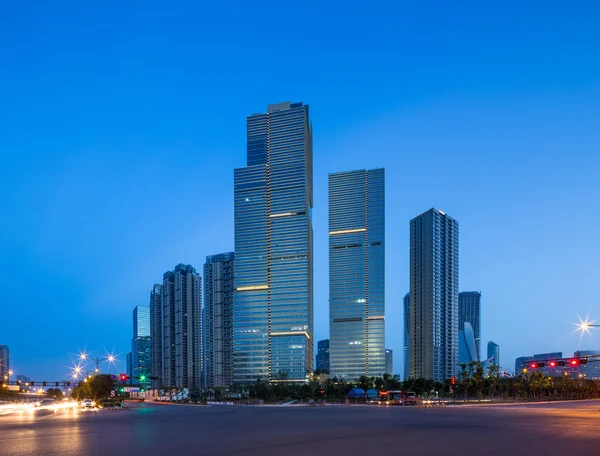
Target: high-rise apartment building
{"x": 156, "y": 339}
{"x": 4, "y": 361}
{"x": 469, "y": 311}
{"x": 357, "y": 273}
{"x": 141, "y": 350}
{"x": 218, "y": 320}
{"x": 433, "y": 296}
{"x": 389, "y": 361}
{"x": 493, "y": 352}
{"x": 323, "y": 356}
{"x": 273, "y": 298}
{"x": 406, "y": 351}
{"x": 181, "y": 342}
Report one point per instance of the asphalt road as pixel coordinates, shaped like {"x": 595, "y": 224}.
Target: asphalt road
{"x": 154, "y": 429}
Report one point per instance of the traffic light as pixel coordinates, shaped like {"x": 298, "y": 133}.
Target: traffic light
{"x": 453, "y": 381}
{"x": 43, "y": 383}
{"x": 552, "y": 364}
{"x": 574, "y": 362}
{"x": 122, "y": 389}
{"x": 142, "y": 378}
{"x": 123, "y": 377}
{"x": 537, "y": 365}
{"x": 583, "y": 361}
{"x": 32, "y": 383}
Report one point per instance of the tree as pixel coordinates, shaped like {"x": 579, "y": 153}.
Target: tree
{"x": 97, "y": 387}
{"x": 54, "y": 393}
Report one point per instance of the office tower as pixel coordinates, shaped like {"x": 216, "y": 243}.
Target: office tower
{"x": 4, "y": 362}
{"x": 469, "y": 311}
{"x": 433, "y": 296}
{"x": 520, "y": 363}
{"x": 323, "y": 356}
{"x": 389, "y": 361}
{"x": 218, "y": 320}
{"x": 273, "y": 298}
{"x": 156, "y": 339}
{"x": 141, "y": 350}
{"x": 590, "y": 370}
{"x": 467, "y": 350}
{"x": 181, "y": 338}
{"x": 493, "y": 353}
{"x": 357, "y": 273}
{"x": 406, "y": 351}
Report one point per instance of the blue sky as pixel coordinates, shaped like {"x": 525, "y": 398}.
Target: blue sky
{"x": 121, "y": 123}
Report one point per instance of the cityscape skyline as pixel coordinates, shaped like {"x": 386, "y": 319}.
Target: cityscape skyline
{"x": 106, "y": 133}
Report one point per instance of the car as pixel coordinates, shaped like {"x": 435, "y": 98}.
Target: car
{"x": 45, "y": 402}
{"x": 88, "y": 403}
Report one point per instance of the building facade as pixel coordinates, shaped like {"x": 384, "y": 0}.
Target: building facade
{"x": 389, "y": 361}
{"x": 433, "y": 296}
{"x": 323, "y": 356}
{"x": 493, "y": 353}
{"x": 357, "y": 273}
{"x": 181, "y": 327}
{"x": 156, "y": 339}
{"x": 467, "y": 350}
{"x": 469, "y": 311}
{"x": 406, "y": 351}
{"x": 218, "y": 320}
{"x": 273, "y": 298}
{"x": 4, "y": 361}
{"x": 141, "y": 347}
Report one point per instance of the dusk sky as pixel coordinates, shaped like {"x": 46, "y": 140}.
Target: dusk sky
{"x": 121, "y": 124}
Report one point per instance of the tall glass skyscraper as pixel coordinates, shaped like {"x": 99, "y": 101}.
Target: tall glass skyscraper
{"x": 218, "y": 320}
{"x": 469, "y": 311}
{"x": 181, "y": 325}
{"x": 406, "y": 351}
{"x": 141, "y": 349}
{"x": 357, "y": 273}
{"x": 493, "y": 352}
{"x": 433, "y": 296}
{"x": 4, "y": 361}
{"x": 273, "y": 298}
{"x": 323, "y": 356}
{"x": 156, "y": 339}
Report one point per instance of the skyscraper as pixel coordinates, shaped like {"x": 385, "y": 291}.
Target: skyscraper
{"x": 323, "y": 356}
{"x": 156, "y": 339}
{"x": 141, "y": 350}
{"x": 4, "y": 361}
{"x": 273, "y": 298}
{"x": 469, "y": 311}
{"x": 218, "y": 320}
{"x": 493, "y": 352}
{"x": 389, "y": 361}
{"x": 181, "y": 338}
{"x": 467, "y": 351}
{"x": 406, "y": 352}
{"x": 433, "y": 296}
{"x": 357, "y": 273}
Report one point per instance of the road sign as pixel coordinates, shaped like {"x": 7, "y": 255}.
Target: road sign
{"x": 112, "y": 393}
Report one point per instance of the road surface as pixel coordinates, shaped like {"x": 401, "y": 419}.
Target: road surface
{"x": 155, "y": 429}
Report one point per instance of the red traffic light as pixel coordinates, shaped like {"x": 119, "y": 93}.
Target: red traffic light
{"x": 552, "y": 364}
{"x": 123, "y": 377}
{"x": 453, "y": 380}
{"x": 574, "y": 362}
{"x": 533, "y": 365}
